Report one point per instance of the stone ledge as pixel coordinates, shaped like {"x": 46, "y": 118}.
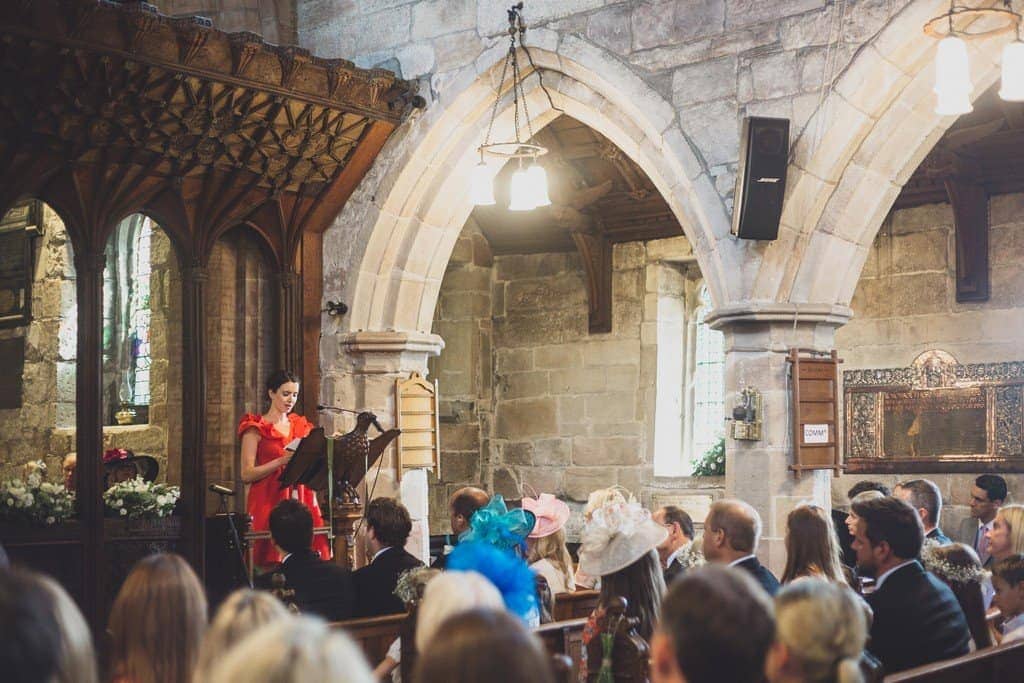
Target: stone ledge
{"x": 393, "y": 342}
{"x": 769, "y": 312}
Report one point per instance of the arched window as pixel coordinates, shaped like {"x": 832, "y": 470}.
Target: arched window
{"x": 708, "y": 381}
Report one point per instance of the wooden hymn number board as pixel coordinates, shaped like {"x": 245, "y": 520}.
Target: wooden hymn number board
{"x": 815, "y": 412}
{"x": 419, "y": 444}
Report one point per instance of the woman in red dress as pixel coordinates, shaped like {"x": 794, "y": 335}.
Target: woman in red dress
{"x": 264, "y": 438}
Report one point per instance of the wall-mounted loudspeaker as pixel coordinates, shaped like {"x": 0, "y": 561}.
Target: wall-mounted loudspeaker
{"x": 761, "y": 178}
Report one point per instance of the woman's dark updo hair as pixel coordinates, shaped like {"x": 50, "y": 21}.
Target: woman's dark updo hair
{"x": 279, "y": 377}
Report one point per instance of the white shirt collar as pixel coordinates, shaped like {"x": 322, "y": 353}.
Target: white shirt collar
{"x": 379, "y": 553}
{"x": 885, "y": 575}
{"x": 285, "y": 558}
{"x": 676, "y": 553}
{"x": 1014, "y": 624}
{"x": 742, "y": 560}
{"x": 985, "y": 526}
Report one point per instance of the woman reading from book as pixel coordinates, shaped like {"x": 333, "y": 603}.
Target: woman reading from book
{"x": 264, "y": 456}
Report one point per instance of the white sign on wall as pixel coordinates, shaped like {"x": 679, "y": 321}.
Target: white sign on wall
{"x": 815, "y": 433}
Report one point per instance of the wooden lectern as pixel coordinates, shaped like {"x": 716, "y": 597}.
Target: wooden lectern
{"x": 333, "y": 467}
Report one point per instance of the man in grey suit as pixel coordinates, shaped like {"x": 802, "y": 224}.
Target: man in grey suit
{"x": 987, "y": 495}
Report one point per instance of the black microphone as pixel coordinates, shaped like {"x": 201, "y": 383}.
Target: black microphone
{"x": 336, "y": 409}
{"x": 222, "y": 490}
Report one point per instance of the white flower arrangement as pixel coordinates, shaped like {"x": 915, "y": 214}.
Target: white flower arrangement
{"x": 35, "y": 500}
{"x": 140, "y": 499}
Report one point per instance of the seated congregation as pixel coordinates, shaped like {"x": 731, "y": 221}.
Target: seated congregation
{"x": 649, "y": 598}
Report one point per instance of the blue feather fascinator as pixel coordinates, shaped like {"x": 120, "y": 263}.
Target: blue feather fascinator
{"x": 498, "y": 526}
{"x": 507, "y": 571}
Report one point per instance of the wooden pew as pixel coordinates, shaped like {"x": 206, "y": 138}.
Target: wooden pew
{"x": 564, "y": 638}
{"x": 1000, "y": 664}
{"x": 575, "y": 604}
{"x": 373, "y": 635}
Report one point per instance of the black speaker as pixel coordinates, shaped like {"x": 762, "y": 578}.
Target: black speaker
{"x": 761, "y": 178}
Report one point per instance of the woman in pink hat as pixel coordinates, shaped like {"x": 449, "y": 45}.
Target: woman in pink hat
{"x": 545, "y": 545}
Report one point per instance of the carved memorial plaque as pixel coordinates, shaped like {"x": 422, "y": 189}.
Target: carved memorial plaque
{"x": 935, "y": 416}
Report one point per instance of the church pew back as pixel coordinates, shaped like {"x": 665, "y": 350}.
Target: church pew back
{"x": 373, "y": 635}
{"x": 564, "y": 638}
{"x": 575, "y": 604}
{"x": 1000, "y": 664}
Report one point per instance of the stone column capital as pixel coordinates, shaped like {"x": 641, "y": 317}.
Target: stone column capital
{"x": 758, "y": 312}
{"x": 381, "y": 352}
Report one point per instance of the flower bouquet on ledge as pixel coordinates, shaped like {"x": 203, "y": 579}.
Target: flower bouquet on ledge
{"x": 34, "y": 500}
{"x": 712, "y": 463}
{"x": 140, "y": 499}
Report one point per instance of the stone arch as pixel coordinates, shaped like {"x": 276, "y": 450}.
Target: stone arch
{"x": 853, "y": 158}
{"x": 411, "y": 210}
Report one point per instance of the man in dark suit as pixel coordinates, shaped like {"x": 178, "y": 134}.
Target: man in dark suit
{"x": 680, "y": 536}
{"x": 917, "y": 618}
{"x": 987, "y": 495}
{"x": 461, "y": 506}
{"x": 924, "y": 496}
{"x": 731, "y": 533}
{"x": 388, "y": 525}
{"x": 322, "y": 588}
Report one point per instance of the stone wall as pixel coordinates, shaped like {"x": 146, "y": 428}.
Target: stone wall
{"x": 34, "y": 431}
{"x": 272, "y": 19}
{"x": 530, "y": 400}
{"x": 906, "y": 303}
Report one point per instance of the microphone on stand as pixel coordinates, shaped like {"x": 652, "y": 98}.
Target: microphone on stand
{"x": 222, "y": 490}
{"x": 334, "y": 409}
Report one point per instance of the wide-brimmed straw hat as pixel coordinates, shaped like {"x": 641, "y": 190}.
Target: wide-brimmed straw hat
{"x": 617, "y": 535}
{"x": 552, "y": 514}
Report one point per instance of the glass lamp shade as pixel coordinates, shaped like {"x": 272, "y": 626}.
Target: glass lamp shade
{"x": 519, "y": 192}
{"x": 951, "y": 103}
{"x": 1012, "y": 88}
{"x": 481, "y": 186}
{"x": 952, "y": 70}
{"x": 538, "y": 178}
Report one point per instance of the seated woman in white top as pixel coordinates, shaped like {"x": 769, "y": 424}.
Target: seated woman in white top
{"x": 545, "y": 545}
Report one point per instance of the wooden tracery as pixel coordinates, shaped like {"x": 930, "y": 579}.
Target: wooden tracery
{"x": 109, "y": 109}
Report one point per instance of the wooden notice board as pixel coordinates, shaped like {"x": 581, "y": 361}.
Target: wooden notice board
{"x": 815, "y": 411}
{"x": 419, "y": 444}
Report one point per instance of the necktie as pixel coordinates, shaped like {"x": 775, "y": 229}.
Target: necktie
{"x": 982, "y": 544}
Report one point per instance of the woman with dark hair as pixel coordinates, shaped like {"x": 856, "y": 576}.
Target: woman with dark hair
{"x": 959, "y": 567}
{"x": 619, "y": 545}
{"x": 157, "y": 622}
{"x": 483, "y": 645}
{"x": 264, "y": 455}
{"x": 812, "y": 547}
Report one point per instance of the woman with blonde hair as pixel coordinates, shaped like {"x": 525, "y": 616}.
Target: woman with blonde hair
{"x": 295, "y": 649}
{"x": 1006, "y": 537}
{"x": 820, "y": 631}
{"x": 242, "y": 613}
{"x": 546, "y": 549}
{"x": 77, "y": 662}
{"x": 812, "y": 547}
{"x": 157, "y": 622}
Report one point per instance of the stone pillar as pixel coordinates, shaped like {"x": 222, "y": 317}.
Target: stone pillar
{"x": 758, "y": 472}
{"x": 359, "y": 371}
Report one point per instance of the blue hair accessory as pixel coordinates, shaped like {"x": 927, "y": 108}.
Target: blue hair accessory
{"x": 498, "y": 526}
{"x": 508, "y": 572}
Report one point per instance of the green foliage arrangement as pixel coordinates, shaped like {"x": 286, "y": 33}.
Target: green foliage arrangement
{"x": 34, "y": 500}
{"x": 712, "y": 463}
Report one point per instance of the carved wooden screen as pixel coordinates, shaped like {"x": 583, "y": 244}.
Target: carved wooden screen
{"x": 815, "y": 413}
{"x": 935, "y": 416}
{"x": 419, "y": 444}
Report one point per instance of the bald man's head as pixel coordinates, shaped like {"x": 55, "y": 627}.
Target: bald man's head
{"x": 463, "y": 503}
{"x": 732, "y": 529}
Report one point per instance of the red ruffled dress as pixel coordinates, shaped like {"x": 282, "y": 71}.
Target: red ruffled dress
{"x": 265, "y": 493}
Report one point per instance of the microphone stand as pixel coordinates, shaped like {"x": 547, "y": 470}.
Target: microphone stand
{"x": 234, "y": 536}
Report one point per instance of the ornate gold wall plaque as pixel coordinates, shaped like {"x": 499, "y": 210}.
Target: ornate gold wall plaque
{"x": 935, "y": 416}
